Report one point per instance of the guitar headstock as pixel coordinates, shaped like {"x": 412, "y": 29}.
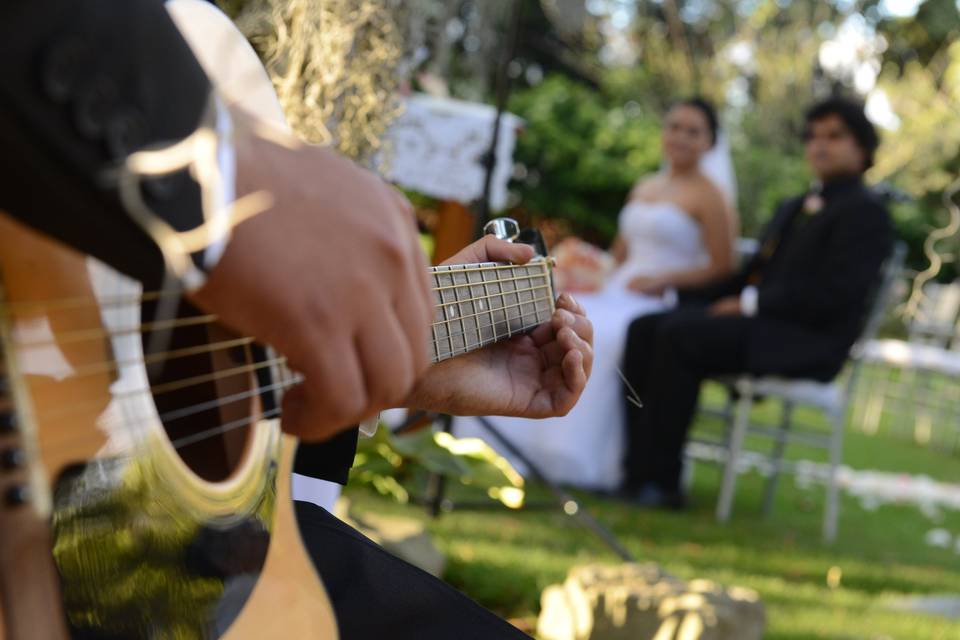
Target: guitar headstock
{"x": 508, "y": 229}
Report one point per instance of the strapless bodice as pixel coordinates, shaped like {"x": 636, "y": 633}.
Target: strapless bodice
{"x": 661, "y": 237}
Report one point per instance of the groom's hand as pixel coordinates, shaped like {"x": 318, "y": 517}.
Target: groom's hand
{"x": 729, "y": 306}
{"x": 538, "y": 375}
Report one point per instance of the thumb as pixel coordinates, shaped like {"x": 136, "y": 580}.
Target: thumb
{"x": 499, "y": 250}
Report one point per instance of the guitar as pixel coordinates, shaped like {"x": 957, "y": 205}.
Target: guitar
{"x": 145, "y": 483}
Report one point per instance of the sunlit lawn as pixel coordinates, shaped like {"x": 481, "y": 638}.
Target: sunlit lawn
{"x": 504, "y": 559}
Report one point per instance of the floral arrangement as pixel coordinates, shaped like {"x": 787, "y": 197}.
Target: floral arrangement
{"x": 580, "y": 266}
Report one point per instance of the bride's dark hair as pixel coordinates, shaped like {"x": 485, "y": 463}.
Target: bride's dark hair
{"x": 706, "y": 108}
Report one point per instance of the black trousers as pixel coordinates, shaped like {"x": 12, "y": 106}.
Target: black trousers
{"x": 376, "y": 595}
{"x": 668, "y": 355}
{"x": 666, "y": 358}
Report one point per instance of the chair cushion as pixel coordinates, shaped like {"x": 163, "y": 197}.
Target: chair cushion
{"x": 827, "y": 396}
{"x": 912, "y": 356}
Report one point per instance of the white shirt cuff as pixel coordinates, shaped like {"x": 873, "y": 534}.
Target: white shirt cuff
{"x": 226, "y": 187}
{"x": 671, "y": 298}
{"x": 749, "y": 299}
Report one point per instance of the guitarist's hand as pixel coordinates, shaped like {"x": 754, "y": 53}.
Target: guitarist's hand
{"x": 332, "y": 276}
{"x": 534, "y": 376}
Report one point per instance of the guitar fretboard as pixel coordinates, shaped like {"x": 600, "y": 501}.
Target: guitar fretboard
{"x": 479, "y": 304}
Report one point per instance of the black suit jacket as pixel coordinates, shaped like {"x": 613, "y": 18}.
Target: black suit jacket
{"x": 84, "y": 83}
{"x": 816, "y": 275}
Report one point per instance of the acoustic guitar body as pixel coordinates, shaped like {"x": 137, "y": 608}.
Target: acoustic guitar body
{"x": 148, "y": 484}
{"x": 145, "y": 483}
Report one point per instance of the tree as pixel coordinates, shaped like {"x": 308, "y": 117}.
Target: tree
{"x": 580, "y": 153}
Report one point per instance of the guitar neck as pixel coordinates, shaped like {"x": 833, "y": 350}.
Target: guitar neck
{"x": 479, "y": 304}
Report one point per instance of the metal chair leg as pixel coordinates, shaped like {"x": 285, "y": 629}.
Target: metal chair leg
{"x": 873, "y": 405}
{"x": 832, "y": 509}
{"x": 776, "y": 457}
{"x": 740, "y": 423}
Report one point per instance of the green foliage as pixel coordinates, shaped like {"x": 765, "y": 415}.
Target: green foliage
{"x": 506, "y": 558}
{"x": 765, "y": 177}
{"x": 385, "y": 461}
{"x": 584, "y": 145}
{"x": 584, "y": 149}
{"x": 582, "y": 153}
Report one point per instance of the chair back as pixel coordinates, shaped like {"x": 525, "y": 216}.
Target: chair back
{"x": 936, "y": 315}
{"x": 889, "y": 272}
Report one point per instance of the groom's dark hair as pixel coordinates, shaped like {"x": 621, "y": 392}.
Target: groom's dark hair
{"x": 854, "y": 117}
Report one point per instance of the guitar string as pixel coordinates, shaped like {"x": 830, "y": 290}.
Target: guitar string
{"x": 446, "y": 355}
{"x": 221, "y": 429}
{"x": 86, "y": 301}
{"x": 279, "y": 361}
{"x": 184, "y": 441}
{"x": 246, "y": 369}
{"x": 183, "y": 412}
{"x": 484, "y": 312}
{"x": 226, "y": 427}
{"x": 111, "y": 365}
{"x": 453, "y": 351}
{"x": 81, "y": 335}
{"x": 225, "y": 373}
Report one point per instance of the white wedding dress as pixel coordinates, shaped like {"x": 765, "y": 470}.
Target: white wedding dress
{"x": 585, "y": 447}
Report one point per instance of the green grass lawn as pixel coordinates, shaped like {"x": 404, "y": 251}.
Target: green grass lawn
{"x": 504, "y": 559}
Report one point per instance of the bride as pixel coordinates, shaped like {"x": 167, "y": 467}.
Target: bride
{"x": 676, "y": 230}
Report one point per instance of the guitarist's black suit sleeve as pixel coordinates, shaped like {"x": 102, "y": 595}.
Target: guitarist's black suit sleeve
{"x": 83, "y": 83}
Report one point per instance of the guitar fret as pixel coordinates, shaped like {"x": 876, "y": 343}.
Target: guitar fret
{"x": 512, "y": 301}
{"x": 456, "y": 318}
{"x": 512, "y": 298}
{"x": 545, "y": 274}
{"x": 489, "y": 341}
{"x": 444, "y": 320}
{"x": 433, "y": 326}
{"x": 523, "y": 296}
{"x": 475, "y": 300}
{"x": 503, "y": 308}
{"x": 459, "y": 310}
{"x": 525, "y": 326}
{"x": 487, "y": 296}
{"x": 457, "y": 344}
{"x": 454, "y": 312}
{"x": 469, "y": 271}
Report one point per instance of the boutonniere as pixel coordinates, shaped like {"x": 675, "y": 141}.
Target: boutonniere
{"x": 813, "y": 203}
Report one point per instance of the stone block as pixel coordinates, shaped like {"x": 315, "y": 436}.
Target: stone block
{"x": 641, "y": 602}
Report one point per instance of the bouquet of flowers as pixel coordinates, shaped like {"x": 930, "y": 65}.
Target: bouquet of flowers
{"x": 580, "y": 266}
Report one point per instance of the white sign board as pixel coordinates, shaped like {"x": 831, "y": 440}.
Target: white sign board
{"x": 437, "y": 149}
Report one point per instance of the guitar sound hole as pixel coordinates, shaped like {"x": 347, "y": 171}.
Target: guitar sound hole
{"x": 206, "y": 399}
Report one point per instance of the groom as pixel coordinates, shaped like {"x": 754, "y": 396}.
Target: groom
{"x": 794, "y": 310}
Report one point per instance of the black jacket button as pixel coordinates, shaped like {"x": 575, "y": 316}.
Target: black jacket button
{"x": 93, "y": 106}
{"x": 125, "y": 133}
{"x": 11, "y": 459}
{"x": 8, "y": 422}
{"x": 17, "y": 495}
{"x": 62, "y": 68}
